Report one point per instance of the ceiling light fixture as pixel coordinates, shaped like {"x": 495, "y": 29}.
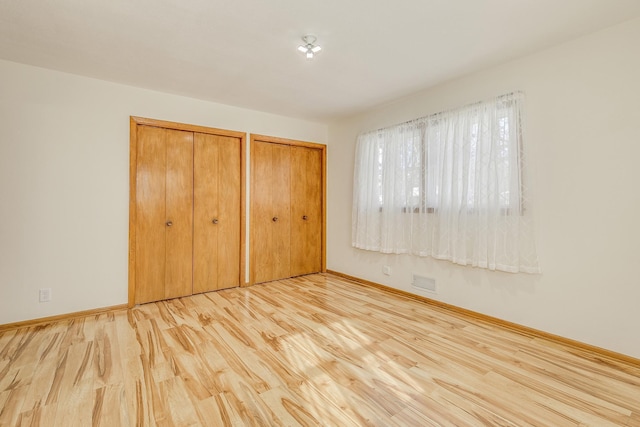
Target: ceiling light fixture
{"x": 309, "y": 48}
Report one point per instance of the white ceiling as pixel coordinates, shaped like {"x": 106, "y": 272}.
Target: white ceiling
{"x": 243, "y": 52}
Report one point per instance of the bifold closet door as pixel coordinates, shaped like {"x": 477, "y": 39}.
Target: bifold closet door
{"x": 270, "y": 211}
{"x": 164, "y": 206}
{"x": 216, "y": 237}
{"x": 287, "y": 208}
{"x": 306, "y": 210}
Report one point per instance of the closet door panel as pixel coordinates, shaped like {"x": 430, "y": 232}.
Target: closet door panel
{"x": 179, "y": 214}
{"x": 150, "y": 211}
{"x": 306, "y": 210}
{"x": 261, "y": 212}
{"x": 205, "y": 211}
{"x": 270, "y": 213}
{"x": 281, "y": 189}
{"x": 216, "y": 240}
{"x": 229, "y": 187}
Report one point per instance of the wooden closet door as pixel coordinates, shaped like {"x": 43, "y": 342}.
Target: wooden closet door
{"x": 150, "y": 207}
{"x": 270, "y": 211}
{"x": 229, "y": 212}
{"x": 306, "y": 210}
{"x": 164, "y": 198}
{"x": 179, "y": 258}
{"x": 217, "y": 193}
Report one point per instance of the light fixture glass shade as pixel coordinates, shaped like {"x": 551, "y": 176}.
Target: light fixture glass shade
{"x": 308, "y": 48}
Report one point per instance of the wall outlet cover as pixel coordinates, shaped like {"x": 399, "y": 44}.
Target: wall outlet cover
{"x": 45, "y": 295}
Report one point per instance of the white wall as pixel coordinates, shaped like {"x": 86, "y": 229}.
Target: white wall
{"x": 64, "y": 182}
{"x": 582, "y": 141}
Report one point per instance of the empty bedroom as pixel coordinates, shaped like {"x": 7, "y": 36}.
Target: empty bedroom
{"x": 295, "y": 213}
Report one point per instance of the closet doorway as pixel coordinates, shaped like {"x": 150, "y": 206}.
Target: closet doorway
{"x": 186, "y": 210}
{"x": 288, "y": 205}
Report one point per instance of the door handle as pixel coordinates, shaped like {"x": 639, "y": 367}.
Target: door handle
{"x": 304, "y": 217}
{"x": 275, "y": 219}
{"x": 214, "y": 220}
{"x": 169, "y": 223}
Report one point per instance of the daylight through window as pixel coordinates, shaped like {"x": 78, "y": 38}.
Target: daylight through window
{"x": 448, "y": 185}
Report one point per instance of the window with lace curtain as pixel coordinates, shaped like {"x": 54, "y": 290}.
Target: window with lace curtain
{"x": 448, "y": 186}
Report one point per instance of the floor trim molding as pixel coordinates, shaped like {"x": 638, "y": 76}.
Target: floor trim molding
{"x": 59, "y": 317}
{"x": 524, "y": 330}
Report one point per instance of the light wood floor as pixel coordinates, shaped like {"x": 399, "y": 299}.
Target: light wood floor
{"x": 312, "y": 351}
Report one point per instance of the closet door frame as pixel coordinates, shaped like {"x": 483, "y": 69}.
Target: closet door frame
{"x": 291, "y": 142}
{"x": 134, "y": 122}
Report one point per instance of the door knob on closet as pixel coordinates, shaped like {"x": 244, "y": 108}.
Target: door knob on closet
{"x": 169, "y": 223}
{"x": 214, "y": 220}
{"x": 304, "y": 217}
{"x": 275, "y": 218}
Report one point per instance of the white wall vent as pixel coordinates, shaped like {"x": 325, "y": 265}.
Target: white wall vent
{"x": 424, "y": 283}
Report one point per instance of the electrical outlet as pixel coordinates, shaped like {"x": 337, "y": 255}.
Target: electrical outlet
{"x": 386, "y": 270}
{"x": 45, "y": 295}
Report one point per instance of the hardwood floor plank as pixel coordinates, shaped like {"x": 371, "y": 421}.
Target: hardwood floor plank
{"x": 76, "y": 384}
{"x": 211, "y": 412}
{"x": 176, "y": 404}
{"x": 288, "y": 409}
{"x": 411, "y": 417}
{"x": 37, "y": 416}
{"x": 549, "y": 410}
{"x": 308, "y": 351}
{"x": 10, "y": 411}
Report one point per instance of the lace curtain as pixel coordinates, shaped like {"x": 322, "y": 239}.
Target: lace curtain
{"x": 448, "y": 186}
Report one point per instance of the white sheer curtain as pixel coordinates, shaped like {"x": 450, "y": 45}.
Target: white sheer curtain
{"x": 447, "y": 186}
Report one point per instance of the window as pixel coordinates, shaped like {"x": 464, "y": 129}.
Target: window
{"x": 447, "y": 185}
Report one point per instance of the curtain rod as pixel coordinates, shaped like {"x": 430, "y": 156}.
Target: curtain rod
{"x": 499, "y": 97}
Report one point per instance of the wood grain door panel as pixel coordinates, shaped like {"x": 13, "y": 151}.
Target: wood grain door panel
{"x": 179, "y": 213}
{"x": 281, "y": 198}
{"x": 216, "y": 240}
{"x": 229, "y": 211}
{"x": 306, "y": 210}
{"x": 270, "y": 211}
{"x": 150, "y": 208}
{"x": 261, "y": 212}
{"x": 205, "y": 211}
